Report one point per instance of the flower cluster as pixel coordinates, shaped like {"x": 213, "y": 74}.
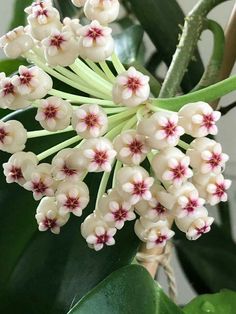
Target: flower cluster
{"x": 157, "y": 178}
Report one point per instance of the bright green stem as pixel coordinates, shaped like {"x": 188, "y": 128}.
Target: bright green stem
{"x": 58, "y": 147}
{"x": 117, "y": 167}
{"x": 95, "y": 68}
{"x": 193, "y": 26}
{"x": 207, "y": 94}
{"x": 183, "y": 145}
{"x": 211, "y": 74}
{"x": 114, "y": 131}
{"x": 117, "y": 64}
{"x": 39, "y": 133}
{"x": 107, "y": 71}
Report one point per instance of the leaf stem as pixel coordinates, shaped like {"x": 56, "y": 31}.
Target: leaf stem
{"x": 107, "y": 71}
{"x": 117, "y": 64}
{"x": 39, "y": 133}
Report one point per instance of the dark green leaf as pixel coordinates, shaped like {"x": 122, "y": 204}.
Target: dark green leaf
{"x": 66, "y": 8}
{"x": 210, "y": 261}
{"x": 19, "y": 16}
{"x": 41, "y": 273}
{"x": 162, "y": 20}
{"x": 219, "y": 303}
{"x": 127, "y": 291}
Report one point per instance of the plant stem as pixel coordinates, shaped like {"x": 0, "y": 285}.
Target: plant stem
{"x": 107, "y": 71}
{"x": 183, "y": 145}
{"x": 192, "y": 30}
{"x": 117, "y": 64}
{"x": 95, "y": 68}
{"x": 34, "y": 134}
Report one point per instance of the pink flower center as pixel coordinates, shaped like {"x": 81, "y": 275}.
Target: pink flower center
{"x": 102, "y": 239}
{"x": 179, "y": 172}
{"x": 139, "y": 188}
{"x": 41, "y": 12}
{"x": 136, "y": 147}
{"x": 202, "y": 230}
{"x": 3, "y": 134}
{"x": 91, "y": 120}
{"x": 50, "y": 112}
{"x": 191, "y": 205}
{"x": 220, "y": 190}
{"x": 39, "y": 187}
{"x": 16, "y": 173}
{"x": 25, "y": 78}
{"x": 57, "y": 41}
{"x": 49, "y": 223}
{"x": 8, "y": 89}
{"x": 72, "y": 203}
{"x": 94, "y": 33}
{"x": 161, "y": 239}
{"x": 68, "y": 172}
{"x": 208, "y": 121}
{"x": 215, "y": 160}
{"x": 133, "y": 83}
{"x": 100, "y": 157}
{"x": 120, "y": 214}
{"x": 160, "y": 209}
{"x": 170, "y": 129}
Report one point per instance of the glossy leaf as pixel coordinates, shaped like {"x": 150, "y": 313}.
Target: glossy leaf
{"x": 161, "y": 20}
{"x": 128, "y": 290}
{"x": 219, "y": 303}
{"x": 42, "y": 272}
{"x": 19, "y": 16}
{"x": 209, "y": 262}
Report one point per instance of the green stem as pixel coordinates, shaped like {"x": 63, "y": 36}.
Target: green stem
{"x": 39, "y": 133}
{"x": 207, "y": 94}
{"x": 183, "y": 145}
{"x": 117, "y": 64}
{"x": 107, "y": 71}
{"x": 192, "y": 30}
{"x": 117, "y": 167}
{"x": 95, "y": 68}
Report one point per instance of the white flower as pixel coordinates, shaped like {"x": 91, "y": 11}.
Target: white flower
{"x": 97, "y": 233}
{"x": 13, "y": 136}
{"x": 54, "y": 113}
{"x": 131, "y": 88}
{"x": 90, "y": 121}
{"x": 104, "y": 11}
{"x": 171, "y": 166}
{"x": 162, "y": 129}
{"x": 40, "y": 181}
{"x": 79, "y": 3}
{"x": 198, "y": 119}
{"x": 114, "y": 210}
{"x": 72, "y": 25}
{"x": 60, "y": 48}
{"x": 131, "y": 147}
{"x": 133, "y": 184}
{"x": 32, "y": 82}
{"x": 184, "y": 223}
{"x": 72, "y": 197}
{"x": 16, "y": 42}
{"x": 48, "y": 217}
{"x": 96, "y": 42}
{"x": 206, "y": 156}
{"x": 68, "y": 164}
{"x": 18, "y": 166}
{"x": 99, "y": 154}
{"x": 199, "y": 227}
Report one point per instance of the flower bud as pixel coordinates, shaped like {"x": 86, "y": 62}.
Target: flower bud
{"x": 199, "y": 227}
{"x": 184, "y": 223}
{"x": 13, "y": 136}
{"x": 104, "y": 11}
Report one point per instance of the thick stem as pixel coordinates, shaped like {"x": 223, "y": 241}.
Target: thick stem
{"x": 193, "y": 26}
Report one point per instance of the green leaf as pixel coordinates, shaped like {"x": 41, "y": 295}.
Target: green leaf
{"x": 209, "y": 262}
{"x": 66, "y": 8}
{"x": 219, "y": 303}
{"x": 128, "y": 290}
{"x": 128, "y": 44}
{"x": 19, "y": 16}
{"x": 161, "y": 20}
{"x": 41, "y": 272}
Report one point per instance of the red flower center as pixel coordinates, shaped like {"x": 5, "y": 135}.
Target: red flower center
{"x": 42, "y": 12}
{"x": 136, "y": 147}
{"x": 102, "y": 239}
{"x": 215, "y": 160}
{"x": 139, "y": 188}
{"x": 179, "y": 172}
{"x": 68, "y": 172}
{"x": 50, "y": 112}
{"x": 202, "y": 230}
{"x": 72, "y": 203}
{"x": 16, "y": 173}
{"x": 57, "y": 41}
{"x": 120, "y": 214}
{"x": 39, "y": 187}
{"x": 3, "y": 134}
{"x": 170, "y": 129}
{"x": 94, "y": 33}
{"x": 91, "y": 120}
{"x": 208, "y": 121}
{"x": 160, "y": 209}
{"x": 100, "y": 157}
{"x": 25, "y": 78}
{"x": 220, "y": 190}
{"x": 191, "y": 205}
{"x": 161, "y": 239}
{"x": 133, "y": 83}
{"x": 49, "y": 223}
{"x": 8, "y": 89}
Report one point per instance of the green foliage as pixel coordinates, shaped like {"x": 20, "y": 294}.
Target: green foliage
{"x": 19, "y": 16}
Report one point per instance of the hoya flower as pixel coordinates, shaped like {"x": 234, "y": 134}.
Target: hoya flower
{"x": 13, "y": 136}
{"x": 134, "y": 183}
{"x": 114, "y": 210}
{"x": 72, "y": 198}
{"x": 213, "y": 187}
{"x": 60, "y": 48}
{"x": 72, "y": 25}
{"x": 78, "y": 3}
{"x": 104, "y": 11}
{"x": 9, "y": 96}
{"x": 199, "y": 119}
{"x": 206, "y": 156}
{"x": 40, "y": 181}
{"x": 54, "y": 113}
{"x": 171, "y": 166}
{"x": 99, "y": 154}
{"x": 96, "y": 42}
{"x": 90, "y": 121}
{"x": 199, "y": 227}
{"x": 131, "y": 88}
{"x": 131, "y": 147}
{"x": 184, "y": 223}
{"x": 16, "y": 42}
{"x": 153, "y": 234}
{"x": 48, "y": 217}
{"x": 68, "y": 164}
{"x": 97, "y": 233}
{"x": 32, "y": 82}
{"x": 42, "y": 19}
{"x": 162, "y": 129}
{"x": 19, "y": 166}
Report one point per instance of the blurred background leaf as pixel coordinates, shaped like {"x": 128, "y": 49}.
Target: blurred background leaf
{"x": 19, "y": 16}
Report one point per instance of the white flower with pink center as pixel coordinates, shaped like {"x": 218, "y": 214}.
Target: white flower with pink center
{"x": 131, "y": 147}
{"x": 40, "y": 181}
{"x": 69, "y": 164}
{"x": 99, "y": 154}
{"x": 16, "y": 42}
{"x": 79, "y": 3}
{"x": 206, "y": 156}
{"x": 199, "y": 227}
{"x": 48, "y": 217}
{"x": 96, "y": 42}
{"x": 114, "y": 210}
{"x": 131, "y": 88}
{"x": 18, "y": 166}
{"x": 90, "y": 121}
{"x": 134, "y": 183}
{"x": 104, "y": 11}
{"x": 54, "y": 113}
{"x": 199, "y": 119}
{"x": 13, "y": 136}
{"x": 72, "y": 25}
{"x": 72, "y": 198}
{"x": 97, "y": 233}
